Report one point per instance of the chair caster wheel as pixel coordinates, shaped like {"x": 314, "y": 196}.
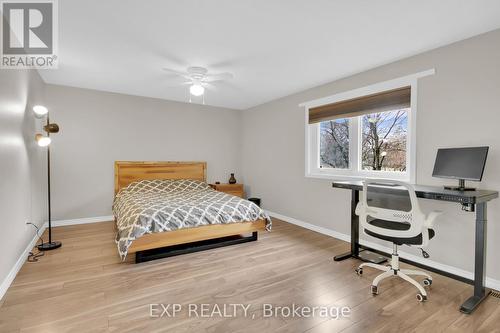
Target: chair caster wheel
{"x": 421, "y": 298}
{"x": 427, "y": 282}
{"x": 374, "y": 290}
{"x": 359, "y": 271}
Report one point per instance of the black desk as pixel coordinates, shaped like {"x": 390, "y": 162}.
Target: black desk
{"x": 473, "y": 200}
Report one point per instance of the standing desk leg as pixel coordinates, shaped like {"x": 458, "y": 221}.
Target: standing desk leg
{"x": 354, "y": 230}
{"x": 480, "y": 292}
{"x": 365, "y": 255}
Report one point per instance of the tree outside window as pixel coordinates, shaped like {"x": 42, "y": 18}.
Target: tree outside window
{"x": 334, "y": 144}
{"x": 384, "y": 140}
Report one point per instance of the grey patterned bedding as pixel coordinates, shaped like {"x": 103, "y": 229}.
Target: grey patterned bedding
{"x": 150, "y": 206}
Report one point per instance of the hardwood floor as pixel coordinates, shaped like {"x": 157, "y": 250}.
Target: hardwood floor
{"x": 83, "y": 287}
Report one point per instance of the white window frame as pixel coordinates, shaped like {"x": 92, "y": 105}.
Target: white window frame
{"x": 312, "y": 134}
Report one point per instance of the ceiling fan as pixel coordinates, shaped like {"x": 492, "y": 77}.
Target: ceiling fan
{"x": 198, "y": 78}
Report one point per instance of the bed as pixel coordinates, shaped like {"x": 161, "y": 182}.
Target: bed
{"x": 162, "y": 205}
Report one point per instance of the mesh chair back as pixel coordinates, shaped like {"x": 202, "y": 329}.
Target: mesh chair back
{"x": 401, "y": 207}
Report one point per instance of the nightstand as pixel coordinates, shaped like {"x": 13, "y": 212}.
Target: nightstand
{"x": 233, "y": 189}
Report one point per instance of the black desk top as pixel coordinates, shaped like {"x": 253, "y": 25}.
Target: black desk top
{"x": 426, "y": 192}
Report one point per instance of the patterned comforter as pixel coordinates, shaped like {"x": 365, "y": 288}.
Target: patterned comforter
{"x": 150, "y": 206}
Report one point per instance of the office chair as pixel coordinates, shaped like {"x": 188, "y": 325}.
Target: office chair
{"x": 412, "y": 228}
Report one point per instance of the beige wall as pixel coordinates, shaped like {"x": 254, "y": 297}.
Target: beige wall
{"x": 98, "y": 128}
{"x": 22, "y": 166}
{"x": 459, "y": 106}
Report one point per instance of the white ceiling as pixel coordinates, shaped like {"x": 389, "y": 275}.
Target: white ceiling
{"x": 273, "y": 47}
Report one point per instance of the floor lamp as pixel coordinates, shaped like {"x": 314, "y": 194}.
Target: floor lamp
{"x": 44, "y": 141}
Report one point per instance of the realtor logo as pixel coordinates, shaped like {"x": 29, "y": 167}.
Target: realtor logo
{"x": 29, "y": 34}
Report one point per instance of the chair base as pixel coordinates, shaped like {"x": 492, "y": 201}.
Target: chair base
{"x": 394, "y": 270}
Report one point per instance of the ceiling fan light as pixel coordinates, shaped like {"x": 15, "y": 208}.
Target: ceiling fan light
{"x": 40, "y": 110}
{"x": 196, "y": 90}
{"x": 42, "y": 141}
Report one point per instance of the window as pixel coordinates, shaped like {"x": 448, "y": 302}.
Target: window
{"x": 384, "y": 139}
{"x": 383, "y": 142}
{"x": 334, "y": 144}
{"x": 364, "y": 133}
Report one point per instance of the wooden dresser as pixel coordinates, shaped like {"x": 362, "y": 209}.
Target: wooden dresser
{"x": 234, "y": 189}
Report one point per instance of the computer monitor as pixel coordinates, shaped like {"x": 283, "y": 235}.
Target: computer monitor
{"x": 462, "y": 164}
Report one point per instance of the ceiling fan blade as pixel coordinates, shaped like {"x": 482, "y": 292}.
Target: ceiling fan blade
{"x": 218, "y": 77}
{"x": 181, "y": 85}
{"x": 173, "y": 71}
{"x": 209, "y": 86}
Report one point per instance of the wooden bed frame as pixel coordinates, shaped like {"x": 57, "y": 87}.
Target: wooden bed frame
{"x": 128, "y": 172}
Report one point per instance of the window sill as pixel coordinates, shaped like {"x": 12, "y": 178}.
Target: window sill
{"x": 353, "y": 177}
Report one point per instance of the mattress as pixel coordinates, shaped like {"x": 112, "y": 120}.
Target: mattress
{"x": 150, "y": 206}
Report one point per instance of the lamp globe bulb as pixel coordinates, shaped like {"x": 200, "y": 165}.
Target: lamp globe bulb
{"x": 40, "y": 110}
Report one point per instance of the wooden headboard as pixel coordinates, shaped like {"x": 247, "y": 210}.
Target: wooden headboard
{"x": 128, "y": 172}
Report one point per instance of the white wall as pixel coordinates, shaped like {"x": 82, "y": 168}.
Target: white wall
{"x": 99, "y": 128}
{"x": 459, "y": 106}
{"x": 22, "y": 167}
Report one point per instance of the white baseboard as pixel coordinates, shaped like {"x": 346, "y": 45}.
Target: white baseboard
{"x": 62, "y": 223}
{"x": 490, "y": 282}
{"x": 321, "y": 230}
{"x": 19, "y": 263}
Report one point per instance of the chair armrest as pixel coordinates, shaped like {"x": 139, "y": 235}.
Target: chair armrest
{"x": 358, "y": 209}
{"x": 431, "y": 217}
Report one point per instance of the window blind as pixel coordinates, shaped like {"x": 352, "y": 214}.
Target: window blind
{"x": 384, "y": 101}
